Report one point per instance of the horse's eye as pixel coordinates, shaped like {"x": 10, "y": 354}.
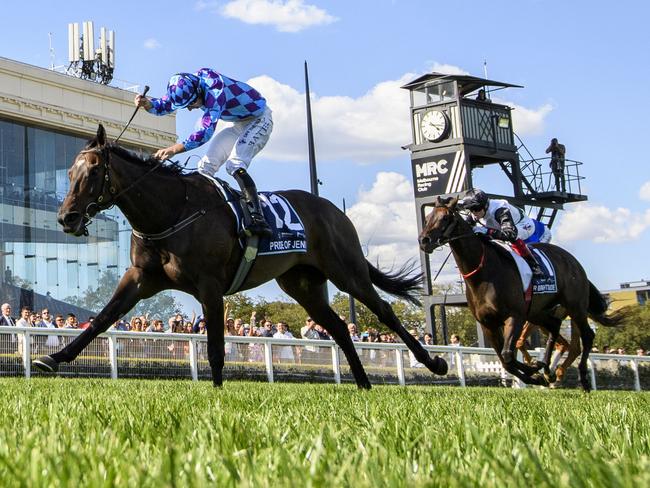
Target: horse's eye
{"x": 93, "y": 172}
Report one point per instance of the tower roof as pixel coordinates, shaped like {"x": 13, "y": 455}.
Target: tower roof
{"x": 466, "y": 83}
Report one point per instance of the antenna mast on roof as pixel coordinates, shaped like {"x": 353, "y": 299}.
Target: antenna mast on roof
{"x": 487, "y": 92}
{"x": 89, "y": 63}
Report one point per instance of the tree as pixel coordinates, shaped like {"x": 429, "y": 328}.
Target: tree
{"x": 633, "y": 334}
{"x": 162, "y": 305}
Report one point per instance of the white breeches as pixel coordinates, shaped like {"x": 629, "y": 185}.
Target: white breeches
{"x": 237, "y": 145}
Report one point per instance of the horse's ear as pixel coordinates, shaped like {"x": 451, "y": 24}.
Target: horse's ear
{"x": 100, "y": 138}
{"x": 452, "y": 204}
{"x": 438, "y": 201}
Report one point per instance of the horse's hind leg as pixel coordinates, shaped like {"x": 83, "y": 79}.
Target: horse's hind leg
{"x": 521, "y": 345}
{"x": 364, "y": 291}
{"x": 307, "y": 287}
{"x": 587, "y": 335}
{"x": 574, "y": 351}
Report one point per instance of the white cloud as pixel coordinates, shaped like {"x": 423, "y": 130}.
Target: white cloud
{"x": 448, "y": 69}
{"x": 644, "y": 191}
{"x": 151, "y": 43}
{"x": 365, "y": 129}
{"x": 384, "y": 217}
{"x": 600, "y": 224}
{"x": 284, "y": 15}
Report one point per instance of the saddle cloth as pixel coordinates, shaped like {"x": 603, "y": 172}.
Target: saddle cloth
{"x": 541, "y": 284}
{"x": 288, "y": 230}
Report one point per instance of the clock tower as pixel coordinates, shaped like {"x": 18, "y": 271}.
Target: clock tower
{"x": 456, "y": 128}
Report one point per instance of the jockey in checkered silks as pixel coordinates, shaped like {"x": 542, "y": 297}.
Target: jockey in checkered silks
{"x": 500, "y": 220}
{"x": 220, "y": 98}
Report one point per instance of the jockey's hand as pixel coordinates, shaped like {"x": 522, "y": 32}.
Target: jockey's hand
{"x": 141, "y": 101}
{"x": 168, "y": 152}
{"x": 479, "y": 229}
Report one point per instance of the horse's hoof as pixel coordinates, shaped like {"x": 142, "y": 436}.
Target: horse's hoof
{"x": 438, "y": 366}
{"x": 540, "y": 379}
{"x": 550, "y": 377}
{"x": 536, "y": 364}
{"x": 364, "y": 386}
{"x": 47, "y": 364}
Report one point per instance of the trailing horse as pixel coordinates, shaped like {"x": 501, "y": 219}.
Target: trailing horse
{"x": 204, "y": 258}
{"x": 495, "y": 296}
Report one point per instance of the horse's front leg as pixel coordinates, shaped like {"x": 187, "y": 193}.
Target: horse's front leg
{"x": 511, "y": 332}
{"x": 133, "y": 287}
{"x": 212, "y": 302}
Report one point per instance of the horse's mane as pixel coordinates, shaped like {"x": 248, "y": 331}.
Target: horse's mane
{"x": 144, "y": 159}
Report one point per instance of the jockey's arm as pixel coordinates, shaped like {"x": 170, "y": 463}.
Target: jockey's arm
{"x": 170, "y": 151}
{"x": 508, "y": 231}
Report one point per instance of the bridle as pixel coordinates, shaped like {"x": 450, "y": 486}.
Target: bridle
{"x": 446, "y": 235}
{"x": 102, "y": 201}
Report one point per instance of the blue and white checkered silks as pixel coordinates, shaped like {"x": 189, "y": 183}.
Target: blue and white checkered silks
{"x": 182, "y": 89}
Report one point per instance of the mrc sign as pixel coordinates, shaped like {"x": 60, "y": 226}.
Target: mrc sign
{"x": 439, "y": 175}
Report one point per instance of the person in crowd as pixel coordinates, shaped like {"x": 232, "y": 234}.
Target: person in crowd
{"x": 413, "y": 362}
{"x": 59, "y": 321}
{"x": 557, "y": 164}
{"x": 87, "y": 323}
{"x": 47, "y": 321}
{"x": 354, "y": 333}
{"x": 308, "y": 331}
{"x": 500, "y": 220}
{"x": 70, "y": 321}
{"x": 136, "y": 324}
{"x": 322, "y": 333}
{"x": 640, "y": 351}
{"x": 455, "y": 340}
{"x": 255, "y": 349}
{"x": 6, "y": 319}
{"x": 220, "y": 98}
{"x": 428, "y": 339}
{"x": 23, "y": 321}
{"x": 283, "y": 354}
{"x": 267, "y": 329}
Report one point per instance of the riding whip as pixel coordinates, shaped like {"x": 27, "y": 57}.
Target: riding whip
{"x": 144, "y": 92}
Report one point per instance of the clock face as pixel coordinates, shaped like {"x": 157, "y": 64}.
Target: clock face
{"x": 434, "y": 125}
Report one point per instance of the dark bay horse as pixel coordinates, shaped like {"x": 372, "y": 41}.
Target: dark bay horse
{"x": 203, "y": 259}
{"x": 496, "y": 299}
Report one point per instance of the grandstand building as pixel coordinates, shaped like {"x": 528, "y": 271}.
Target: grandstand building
{"x": 45, "y": 119}
{"x": 629, "y": 293}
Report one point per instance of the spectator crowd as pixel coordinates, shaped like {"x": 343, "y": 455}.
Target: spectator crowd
{"x": 255, "y": 327}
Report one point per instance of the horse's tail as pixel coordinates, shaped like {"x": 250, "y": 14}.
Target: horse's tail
{"x": 598, "y": 307}
{"x": 404, "y": 283}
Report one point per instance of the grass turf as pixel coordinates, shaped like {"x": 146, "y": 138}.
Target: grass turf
{"x": 80, "y": 432}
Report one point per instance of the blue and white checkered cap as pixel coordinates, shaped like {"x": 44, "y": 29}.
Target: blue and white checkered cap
{"x": 182, "y": 89}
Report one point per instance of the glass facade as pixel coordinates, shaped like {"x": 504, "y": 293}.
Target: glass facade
{"x": 34, "y": 252}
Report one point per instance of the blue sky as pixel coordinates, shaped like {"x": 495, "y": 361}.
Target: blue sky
{"x": 584, "y": 65}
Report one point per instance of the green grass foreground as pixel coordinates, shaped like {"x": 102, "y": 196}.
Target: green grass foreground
{"x": 80, "y": 432}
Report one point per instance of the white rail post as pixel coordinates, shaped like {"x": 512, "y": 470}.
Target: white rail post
{"x": 336, "y": 364}
{"x": 460, "y": 367}
{"x": 112, "y": 355}
{"x": 194, "y": 365}
{"x": 592, "y": 374}
{"x": 635, "y": 368}
{"x": 268, "y": 360}
{"x": 399, "y": 360}
{"x": 27, "y": 354}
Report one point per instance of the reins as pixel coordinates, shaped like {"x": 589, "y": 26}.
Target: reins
{"x": 480, "y": 265}
{"x": 101, "y": 205}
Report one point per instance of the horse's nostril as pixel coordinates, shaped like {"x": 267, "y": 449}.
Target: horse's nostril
{"x": 425, "y": 240}
{"x": 70, "y": 218}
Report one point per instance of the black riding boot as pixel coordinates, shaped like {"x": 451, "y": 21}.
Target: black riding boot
{"x": 534, "y": 265}
{"x": 257, "y": 224}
